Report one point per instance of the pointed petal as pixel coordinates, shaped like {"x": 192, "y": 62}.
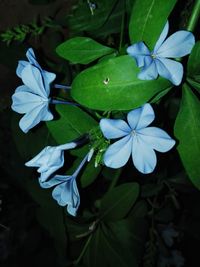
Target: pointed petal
{"x": 139, "y": 51}
{"x": 114, "y": 128}
{"x": 21, "y": 65}
{"x": 118, "y": 153}
{"x": 144, "y": 157}
{"x": 170, "y": 70}
{"x": 156, "y": 138}
{"x": 149, "y": 71}
{"x": 32, "y": 59}
{"x": 178, "y": 44}
{"x": 24, "y": 102}
{"x": 32, "y": 78}
{"x": 141, "y": 117}
{"x": 162, "y": 37}
{"x": 33, "y": 117}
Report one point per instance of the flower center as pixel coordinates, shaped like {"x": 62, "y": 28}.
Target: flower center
{"x": 133, "y": 132}
{"x": 153, "y": 56}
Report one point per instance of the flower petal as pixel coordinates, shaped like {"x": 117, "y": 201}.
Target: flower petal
{"x": 149, "y": 71}
{"x": 67, "y": 194}
{"x": 21, "y": 65}
{"x": 118, "y": 153}
{"x": 24, "y": 102}
{"x": 144, "y": 157}
{"x": 139, "y": 51}
{"x": 48, "y": 78}
{"x": 156, "y": 138}
{"x": 170, "y": 70}
{"x": 32, "y": 118}
{"x": 141, "y": 117}
{"x": 32, "y": 78}
{"x": 178, "y": 44}
{"x": 162, "y": 37}
{"x": 57, "y": 179}
{"x": 32, "y": 59}
{"x": 114, "y": 128}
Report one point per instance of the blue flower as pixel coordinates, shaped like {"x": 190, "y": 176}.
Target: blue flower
{"x": 157, "y": 62}
{"x": 32, "y": 98}
{"x": 49, "y": 160}
{"x": 138, "y": 140}
{"x": 66, "y": 191}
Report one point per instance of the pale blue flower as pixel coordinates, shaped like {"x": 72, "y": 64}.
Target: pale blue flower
{"x": 32, "y": 99}
{"x": 137, "y": 140}
{"x": 65, "y": 191}
{"x": 158, "y": 61}
{"x": 49, "y": 160}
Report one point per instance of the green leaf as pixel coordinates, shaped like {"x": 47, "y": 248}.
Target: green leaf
{"x": 186, "y": 130}
{"x": 117, "y": 202}
{"x": 72, "y": 124}
{"x": 82, "y": 50}
{"x": 90, "y": 173}
{"x": 113, "y": 85}
{"x": 82, "y": 19}
{"x": 148, "y": 19}
{"x": 193, "y": 66}
{"x": 119, "y": 244}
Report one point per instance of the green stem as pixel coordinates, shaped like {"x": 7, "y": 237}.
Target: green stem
{"x": 76, "y": 262}
{"x": 193, "y": 20}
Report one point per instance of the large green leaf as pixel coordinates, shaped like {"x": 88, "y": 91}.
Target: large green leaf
{"x": 82, "y": 50}
{"x": 187, "y": 127}
{"x": 113, "y": 85}
{"x": 117, "y": 202}
{"x": 148, "y": 19}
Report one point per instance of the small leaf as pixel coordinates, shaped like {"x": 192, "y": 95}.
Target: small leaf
{"x": 187, "y": 127}
{"x": 117, "y": 202}
{"x": 113, "y": 85}
{"x": 82, "y": 50}
{"x": 72, "y": 123}
{"x": 148, "y": 19}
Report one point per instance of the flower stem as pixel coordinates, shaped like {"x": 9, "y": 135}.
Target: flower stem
{"x": 60, "y": 86}
{"x": 76, "y": 262}
{"x": 56, "y": 101}
{"x": 193, "y": 20}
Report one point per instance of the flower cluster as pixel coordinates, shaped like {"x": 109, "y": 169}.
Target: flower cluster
{"x": 65, "y": 191}
{"x": 135, "y": 137}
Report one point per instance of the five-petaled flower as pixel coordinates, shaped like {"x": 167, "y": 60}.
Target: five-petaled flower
{"x": 49, "y": 160}
{"x": 158, "y": 61}
{"x": 138, "y": 140}
{"x": 65, "y": 191}
{"x": 32, "y": 98}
